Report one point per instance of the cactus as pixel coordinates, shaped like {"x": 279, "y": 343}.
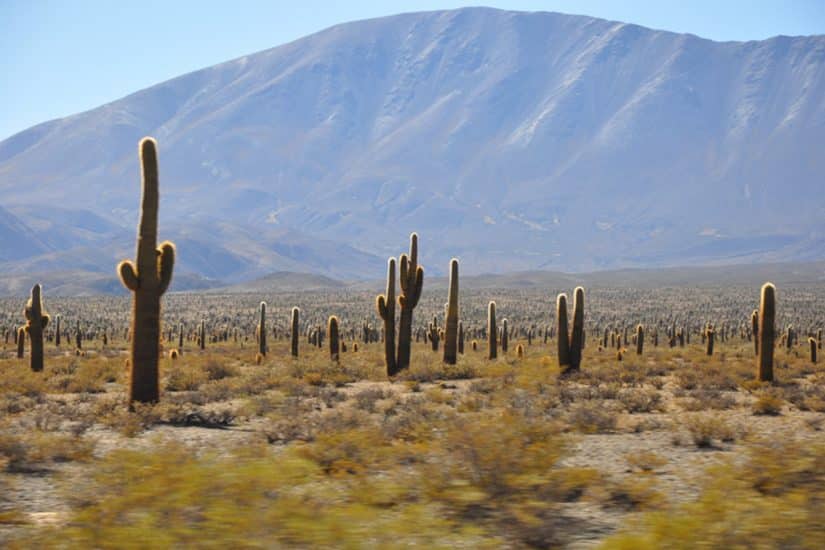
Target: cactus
{"x": 640, "y": 339}
{"x": 36, "y": 321}
{"x": 294, "y": 332}
{"x": 451, "y": 323}
{"x": 710, "y": 333}
{"x": 767, "y": 313}
{"x": 461, "y": 338}
{"x": 492, "y": 331}
{"x": 261, "y": 330}
{"x": 148, "y": 279}
{"x": 570, "y": 347}
{"x": 57, "y": 330}
{"x": 78, "y": 336}
{"x": 755, "y": 330}
{"x": 411, "y": 278}
{"x": 385, "y": 303}
{"x": 180, "y": 338}
{"x": 434, "y": 334}
{"x": 563, "y": 343}
{"x": 812, "y": 343}
{"x": 520, "y": 351}
{"x": 332, "y": 330}
{"x": 505, "y": 336}
{"x": 21, "y": 342}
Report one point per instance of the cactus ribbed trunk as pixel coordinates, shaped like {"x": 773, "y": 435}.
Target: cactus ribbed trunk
{"x": 332, "y": 330}
{"x": 21, "y": 342}
{"x": 36, "y": 321}
{"x": 411, "y": 281}
{"x": 385, "y": 304}
{"x": 562, "y": 341}
{"x": 767, "y": 314}
{"x": 148, "y": 279}
{"x": 294, "y": 331}
{"x": 451, "y": 323}
{"x": 492, "y": 332}
{"x": 262, "y": 330}
{"x": 640, "y": 339}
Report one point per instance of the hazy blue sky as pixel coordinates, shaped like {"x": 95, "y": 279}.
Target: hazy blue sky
{"x": 59, "y": 57}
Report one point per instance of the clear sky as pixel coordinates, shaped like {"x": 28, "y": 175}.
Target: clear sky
{"x": 60, "y": 57}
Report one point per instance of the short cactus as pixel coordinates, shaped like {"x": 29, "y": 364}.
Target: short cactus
{"x": 492, "y": 331}
{"x": 332, "y": 330}
{"x": 294, "y": 331}
{"x": 148, "y": 279}
{"x": 640, "y": 339}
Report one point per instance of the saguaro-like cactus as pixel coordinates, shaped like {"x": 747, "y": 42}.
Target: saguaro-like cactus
{"x": 202, "y": 335}
{"x": 36, "y": 321}
{"x": 710, "y": 333}
{"x": 332, "y": 329}
{"x": 812, "y": 344}
{"x": 261, "y": 331}
{"x": 57, "y": 330}
{"x": 755, "y": 330}
{"x": 411, "y": 280}
{"x": 294, "y": 331}
{"x": 563, "y": 341}
{"x": 180, "y": 338}
{"x": 21, "y": 342}
{"x": 767, "y": 314}
{"x": 640, "y": 339}
{"x": 492, "y": 331}
{"x": 451, "y": 323}
{"x": 505, "y": 336}
{"x": 461, "y": 338}
{"x": 78, "y": 336}
{"x": 385, "y": 303}
{"x": 570, "y": 346}
{"x": 148, "y": 279}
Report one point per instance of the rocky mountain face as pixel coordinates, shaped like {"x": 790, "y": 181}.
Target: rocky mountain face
{"x": 512, "y": 140}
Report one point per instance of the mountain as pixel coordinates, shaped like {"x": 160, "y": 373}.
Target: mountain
{"x": 515, "y": 141}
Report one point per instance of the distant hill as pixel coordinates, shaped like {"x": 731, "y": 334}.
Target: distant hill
{"x": 514, "y": 141}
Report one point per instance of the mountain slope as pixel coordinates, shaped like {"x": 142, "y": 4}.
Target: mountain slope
{"x": 512, "y": 140}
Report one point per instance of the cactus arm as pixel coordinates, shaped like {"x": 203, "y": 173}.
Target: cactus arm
{"x": 128, "y": 275}
{"x": 381, "y": 306}
{"x": 166, "y": 264}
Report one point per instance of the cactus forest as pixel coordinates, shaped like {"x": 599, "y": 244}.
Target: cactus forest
{"x": 433, "y": 413}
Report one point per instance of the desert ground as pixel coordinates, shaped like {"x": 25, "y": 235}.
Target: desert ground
{"x": 670, "y": 447}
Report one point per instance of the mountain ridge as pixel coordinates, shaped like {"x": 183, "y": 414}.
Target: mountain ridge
{"x": 512, "y": 140}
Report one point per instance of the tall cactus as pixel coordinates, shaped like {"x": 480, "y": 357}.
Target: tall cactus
{"x": 461, "y": 338}
{"x": 451, "y": 323}
{"x": 767, "y": 314}
{"x": 261, "y": 330}
{"x": 505, "y": 336}
{"x": 180, "y": 338}
{"x": 570, "y": 346}
{"x": 812, "y": 344}
{"x": 57, "y": 330}
{"x": 202, "y": 335}
{"x": 563, "y": 342}
{"x": 411, "y": 278}
{"x": 148, "y": 279}
{"x": 710, "y": 333}
{"x": 492, "y": 331}
{"x": 36, "y": 321}
{"x": 332, "y": 330}
{"x": 385, "y": 303}
{"x": 294, "y": 331}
